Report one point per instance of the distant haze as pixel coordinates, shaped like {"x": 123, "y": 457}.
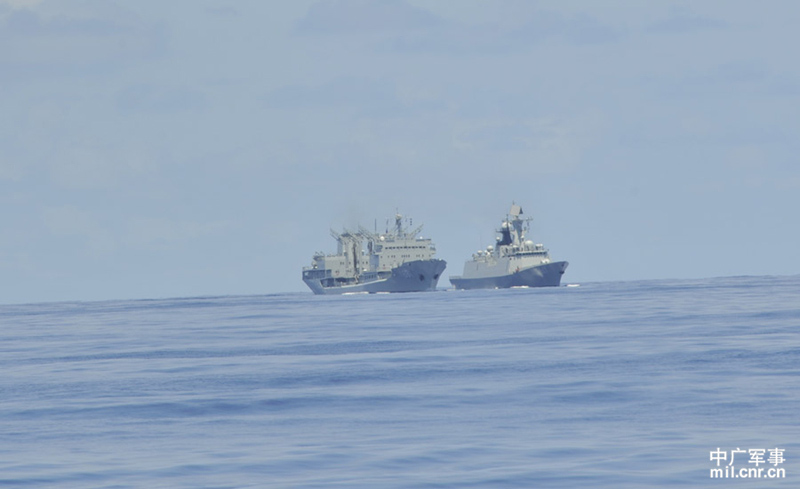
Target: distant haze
{"x": 183, "y": 148}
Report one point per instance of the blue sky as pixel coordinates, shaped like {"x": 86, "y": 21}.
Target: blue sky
{"x": 165, "y": 149}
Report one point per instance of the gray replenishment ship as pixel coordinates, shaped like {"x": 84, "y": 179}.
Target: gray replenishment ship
{"x": 394, "y": 261}
{"x": 513, "y": 262}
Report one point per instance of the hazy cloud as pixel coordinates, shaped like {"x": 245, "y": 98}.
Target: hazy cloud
{"x": 717, "y": 80}
{"x": 68, "y": 221}
{"x": 359, "y": 16}
{"x": 161, "y": 232}
{"x": 525, "y": 147}
{"x": 223, "y": 11}
{"x": 365, "y": 97}
{"x": 574, "y": 29}
{"x": 156, "y": 99}
{"x": 9, "y": 169}
{"x": 96, "y": 165}
{"x": 99, "y": 233}
{"x": 15, "y": 4}
{"x": 400, "y": 27}
{"x": 684, "y": 21}
{"x": 35, "y": 44}
{"x": 343, "y": 92}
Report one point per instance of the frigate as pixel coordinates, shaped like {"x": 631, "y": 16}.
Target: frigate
{"x": 397, "y": 260}
{"x": 513, "y": 262}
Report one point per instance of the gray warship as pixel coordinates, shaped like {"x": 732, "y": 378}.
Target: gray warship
{"x": 394, "y": 261}
{"x": 513, "y": 262}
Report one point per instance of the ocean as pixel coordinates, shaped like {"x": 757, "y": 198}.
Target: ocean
{"x": 603, "y": 385}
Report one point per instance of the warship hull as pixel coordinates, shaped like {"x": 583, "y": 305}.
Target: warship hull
{"x": 545, "y": 275}
{"x": 413, "y": 276}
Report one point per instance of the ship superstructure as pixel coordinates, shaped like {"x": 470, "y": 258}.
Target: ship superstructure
{"x": 397, "y": 260}
{"x": 513, "y": 262}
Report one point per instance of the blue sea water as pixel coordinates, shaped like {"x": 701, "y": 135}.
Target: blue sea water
{"x": 605, "y": 385}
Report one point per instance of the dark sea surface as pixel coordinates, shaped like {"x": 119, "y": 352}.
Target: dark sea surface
{"x": 605, "y": 385}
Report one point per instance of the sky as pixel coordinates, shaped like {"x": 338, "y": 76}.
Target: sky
{"x": 154, "y": 149}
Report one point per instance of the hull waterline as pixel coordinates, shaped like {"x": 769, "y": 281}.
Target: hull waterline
{"x": 547, "y": 275}
{"x": 415, "y": 276}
